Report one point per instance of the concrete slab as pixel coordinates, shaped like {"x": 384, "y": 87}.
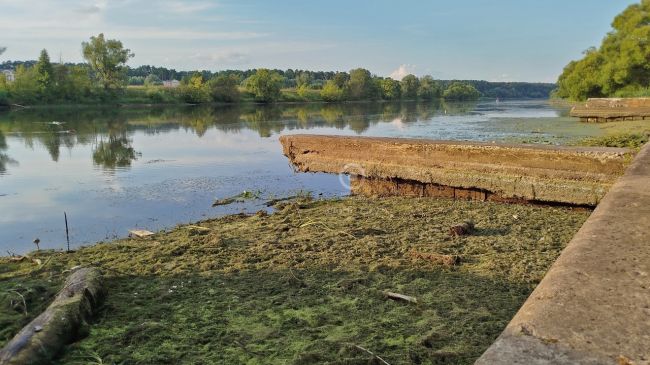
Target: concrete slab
{"x": 572, "y": 175}
{"x": 612, "y": 109}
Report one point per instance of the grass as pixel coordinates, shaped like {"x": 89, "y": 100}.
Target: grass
{"x": 630, "y": 134}
{"x": 282, "y": 289}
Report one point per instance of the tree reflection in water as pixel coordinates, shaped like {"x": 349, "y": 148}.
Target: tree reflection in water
{"x": 4, "y": 158}
{"x": 107, "y": 130}
{"x": 115, "y": 153}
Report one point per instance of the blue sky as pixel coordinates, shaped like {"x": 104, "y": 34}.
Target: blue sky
{"x": 498, "y": 40}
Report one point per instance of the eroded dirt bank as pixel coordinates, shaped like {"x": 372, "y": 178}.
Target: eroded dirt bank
{"x": 306, "y": 284}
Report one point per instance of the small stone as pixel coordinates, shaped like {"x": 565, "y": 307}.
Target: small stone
{"x": 38, "y": 328}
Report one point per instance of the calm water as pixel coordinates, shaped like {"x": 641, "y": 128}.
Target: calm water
{"x": 115, "y": 170}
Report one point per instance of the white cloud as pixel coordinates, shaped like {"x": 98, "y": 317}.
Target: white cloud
{"x": 402, "y": 71}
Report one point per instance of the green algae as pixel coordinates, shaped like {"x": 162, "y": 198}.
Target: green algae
{"x": 305, "y": 285}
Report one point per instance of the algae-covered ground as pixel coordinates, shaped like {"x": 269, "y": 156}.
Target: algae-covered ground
{"x": 306, "y": 285}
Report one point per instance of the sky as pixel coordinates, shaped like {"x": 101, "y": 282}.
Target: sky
{"x": 495, "y": 40}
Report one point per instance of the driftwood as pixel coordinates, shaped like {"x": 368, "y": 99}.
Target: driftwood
{"x": 396, "y": 296}
{"x": 140, "y": 233}
{"x": 61, "y": 323}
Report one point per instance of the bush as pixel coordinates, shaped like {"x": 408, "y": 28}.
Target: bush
{"x": 224, "y": 88}
{"x": 193, "y": 89}
{"x": 155, "y": 95}
{"x": 332, "y": 92}
{"x": 625, "y": 140}
{"x": 4, "y": 98}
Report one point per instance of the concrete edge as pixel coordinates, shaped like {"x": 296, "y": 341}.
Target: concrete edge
{"x": 593, "y": 305}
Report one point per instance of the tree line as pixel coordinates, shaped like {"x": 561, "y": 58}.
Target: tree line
{"x": 620, "y": 67}
{"x": 104, "y": 77}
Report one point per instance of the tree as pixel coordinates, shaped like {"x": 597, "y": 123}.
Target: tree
{"x": 303, "y": 79}
{"x": 580, "y": 80}
{"x": 429, "y": 88}
{"x": 410, "y": 85}
{"x": 620, "y": 67}
{"x": 72, "y": 83}
{"x": 361, "y": 85}
{"x": 332, "y": 92}
{"x": 224, "y": 88}
{"x": 107, "y": 59}
{"x": 44, "y": 73}
{"x": 390, "y": 89}
{"x": 341, "y": 79}
{"x": 2, "y": 50}
{"x": 25, "y": 89}
{"x": 461, "y": 91}
{"x": 265, "y": 85}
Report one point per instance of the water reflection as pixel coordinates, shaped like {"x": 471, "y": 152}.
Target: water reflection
{"x": 4, "y": 158}
{"x": 114, "y": 153}
{"x": 109, "y": 129}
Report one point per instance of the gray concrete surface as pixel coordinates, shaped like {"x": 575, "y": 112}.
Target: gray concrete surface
{"x": 593, "y": 306}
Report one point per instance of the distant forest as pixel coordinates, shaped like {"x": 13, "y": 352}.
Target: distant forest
{"x": 317, "y": 79}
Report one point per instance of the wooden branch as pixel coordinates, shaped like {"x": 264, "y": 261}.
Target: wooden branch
{"x": 371, "y": 353}
{"x": 60, "y": 324}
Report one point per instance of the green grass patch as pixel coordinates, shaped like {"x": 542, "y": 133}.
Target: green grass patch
{"x": 629, "y": 134}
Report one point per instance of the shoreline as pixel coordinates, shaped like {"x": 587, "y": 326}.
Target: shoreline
{"x": 249, "y": 103}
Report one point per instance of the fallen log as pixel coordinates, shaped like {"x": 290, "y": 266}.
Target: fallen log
{"x": 60, "y": 324}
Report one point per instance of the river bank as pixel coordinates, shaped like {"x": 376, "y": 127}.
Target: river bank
{"x": 306, "y": 284}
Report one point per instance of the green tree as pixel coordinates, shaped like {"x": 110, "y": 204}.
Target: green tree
{"x": 332, "y": 92}
{"x": 224, "y": 88}
{"x": 361, "y": 85}
{"x": 461, "y": 91}
{"x": 25, "y": 89}
{"x": 580, "y": 79}
{"x": 620, "y": 67}
{"x": 410, "y": 85}
{"x": 429, "y": 88}
{"x": 390, "y": 89}
{"x": 341, "y": 79}
{"x": 266, "y": 85}
{"x": 44, "y": 74}
{"x": 107, "y": 59}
